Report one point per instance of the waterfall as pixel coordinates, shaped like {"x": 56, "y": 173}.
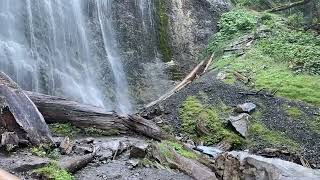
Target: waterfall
{"x": 99, "y": 52}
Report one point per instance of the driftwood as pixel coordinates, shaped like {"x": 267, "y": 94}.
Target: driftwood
{"x": 289, "y": 6}
{"x": 20, "y": 115}
{"x": 60, "y": 110}
{"x": 199, "y": 70}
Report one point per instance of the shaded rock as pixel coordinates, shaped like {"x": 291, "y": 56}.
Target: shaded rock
{"x": 245, "y": 108}
{"x": 241, "y": 123}
{"x": 211, "y": 151}
{"x": 139, "y": 150}
{"x": 9, "y": 139}
{"x": 134, "y": 162}
{"x": 78, "y": 149}
{"x": 66, "y": 146}
{"x": 242, "y": 165}
{"x": 24, "y": 164}
{"x": 221, "y": 75}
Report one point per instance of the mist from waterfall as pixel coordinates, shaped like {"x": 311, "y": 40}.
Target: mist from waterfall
{"x": 46, "y": 46}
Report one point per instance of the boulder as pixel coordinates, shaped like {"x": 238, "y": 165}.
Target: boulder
{"x": 242, "y": 165}
{"x": 245, "y": 108}
{"x": 138, "y": 150}
{"x": 210, "y": 151}
{"x": 240, "y": 123}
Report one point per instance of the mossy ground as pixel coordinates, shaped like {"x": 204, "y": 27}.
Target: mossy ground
{"x": 193, "y": 112}
{"x": 315, "y": 124}
{"x": 67, "y": 129}
{"x": 271, "y": 138}
{"x": 53, "y": 172}
{"x": 293, "y": 112}
{"x": 284, "y": 60}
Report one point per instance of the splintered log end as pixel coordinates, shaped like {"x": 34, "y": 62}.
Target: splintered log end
{"x": 20, "y": 115}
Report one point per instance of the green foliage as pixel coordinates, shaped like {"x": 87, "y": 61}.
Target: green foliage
{"x": 193, "y": 112}
{"x": 66, "y": 129}
{"x": 300, "y": 50}
{"x": 293, "y": 112}
{"x": 44, "y": 151}
{"x": 271, "y": 137}
{"x": 232, "y": 24}
{"x": 286, "y": 61}
{"x": 53, "y": 172}
{"x": 163, "y": 25}
{"x": 180, "y": 149}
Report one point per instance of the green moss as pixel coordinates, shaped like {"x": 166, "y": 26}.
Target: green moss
{"x": 65, "y": 129}
{"x": 315, "y": 125}
{"x": 54, "y": 172}
{"x": 162, "y": 24}
{"x": 293, "y": 112}
{"x": 271, "y": 137}
{"x": 180, "y": 149}
{"x": 45, "y": 151}
{"x": 193, "y": 112}
{"x": 92, "y": 131}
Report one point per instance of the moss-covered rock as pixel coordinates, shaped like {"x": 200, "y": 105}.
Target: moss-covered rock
{"x": 163, "y": 26}
{"x": 192, "y": 112}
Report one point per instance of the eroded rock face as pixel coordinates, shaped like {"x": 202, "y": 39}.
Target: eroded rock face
{"x": 191, "y": 24}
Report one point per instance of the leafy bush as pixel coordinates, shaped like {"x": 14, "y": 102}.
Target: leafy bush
{"x": 301, "y": 50}
{"x": 232, "y": 24}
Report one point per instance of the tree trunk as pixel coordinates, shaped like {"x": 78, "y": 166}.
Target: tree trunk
{"x": 60, "y": 110}
{"x": 19, "y": 114}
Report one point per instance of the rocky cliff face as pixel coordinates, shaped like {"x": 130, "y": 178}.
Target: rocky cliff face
{"x": 190, "y": 25}
{"x": 153, "y": 32}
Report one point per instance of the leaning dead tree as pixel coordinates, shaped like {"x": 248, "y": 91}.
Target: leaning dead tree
{"x": 289, "y": 6}
{"x": 199, "y": 70}
{"x": 20, "y": 115}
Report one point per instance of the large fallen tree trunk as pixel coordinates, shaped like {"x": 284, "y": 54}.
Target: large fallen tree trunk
{"x": 20, "y": 115}
{"x": 60, "y": 110}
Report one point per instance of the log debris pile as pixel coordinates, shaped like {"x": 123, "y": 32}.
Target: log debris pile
{"x": 24, "y": 116}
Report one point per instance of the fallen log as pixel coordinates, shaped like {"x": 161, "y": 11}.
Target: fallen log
{"x": 20, "y": 115}
{"x": 73, "y": 164}
{"x": 60, "y": 110}
{"x": 289, "y": 6}
{"x": 199, "y": 70}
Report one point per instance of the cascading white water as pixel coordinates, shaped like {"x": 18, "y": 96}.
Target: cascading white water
{"x": 80, "y": 49}
{"x": 110, "y": 46}
{"x": 44, "y": 46}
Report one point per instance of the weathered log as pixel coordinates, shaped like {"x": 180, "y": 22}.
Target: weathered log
{"x": 19, "y": 114}
{"x": 60, "y": 110}
{"x": 191, "y": 167}
{"x": 73, "y": 164}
